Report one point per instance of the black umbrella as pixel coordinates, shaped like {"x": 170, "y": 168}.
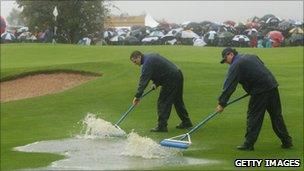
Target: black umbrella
{"x": 284, "y": 25}
{"x": 296, "y": 39}
{"x": 267, "y": 16}
{"x": 240, "y": 28}
{"x": 131, "y": 40}
{"x": 204, "y": 23}
{"x": 272, "y": 21}
{"x": 195, "y": 27}
{"x": 224, "y": 38}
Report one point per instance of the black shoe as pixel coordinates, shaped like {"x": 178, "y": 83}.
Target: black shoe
{"x": 184, "y": 125}
{"x": 245, "y": 148}
{"x": 287, "y": 144}
{"x": 159, "y": 129}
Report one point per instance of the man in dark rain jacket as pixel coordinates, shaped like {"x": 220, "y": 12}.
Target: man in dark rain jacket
{"x": 261, "y": 85}
{"x": 167, "y": 75}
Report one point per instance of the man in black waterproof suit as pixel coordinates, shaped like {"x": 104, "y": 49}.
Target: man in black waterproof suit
{"x": 167, "y": 75}
{"x": 261, "y": 85}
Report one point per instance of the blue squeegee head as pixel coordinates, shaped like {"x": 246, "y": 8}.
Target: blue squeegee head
{"x": 175, "y": 144}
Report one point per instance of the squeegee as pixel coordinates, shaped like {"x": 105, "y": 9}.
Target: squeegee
{"x": 184, "y": 141}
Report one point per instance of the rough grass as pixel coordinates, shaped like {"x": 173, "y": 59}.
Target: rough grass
{"x": 56, "y": 116}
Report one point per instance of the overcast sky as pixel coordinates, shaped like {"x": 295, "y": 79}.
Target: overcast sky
{"x": 216, "y": 11}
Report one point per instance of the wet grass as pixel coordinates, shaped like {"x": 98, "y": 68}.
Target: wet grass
{"x": 56, "y": 116}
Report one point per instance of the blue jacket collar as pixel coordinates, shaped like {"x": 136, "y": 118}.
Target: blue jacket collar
{"x": 235, "y": 58}
{"x": 143, "y": 59}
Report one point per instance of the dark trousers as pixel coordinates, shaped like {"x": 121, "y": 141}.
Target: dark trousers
{"x": 172, "y": 93}
{"x": 258, "y": 104}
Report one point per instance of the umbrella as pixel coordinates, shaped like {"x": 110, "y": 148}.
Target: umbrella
{"x": 137, "y": 33}
{"x": 117, "y": 38}
{"x": 172, "y": 34}
{"x": 2, "y": 25}
{"x": 171, "y": 42}
{"x": 131, "y": 40}
{"x": 225, "y": 34}
{"x": 84, "y": 41}
{"x": 227, "y": 28}
{"x": 22, "y": 29}
{"x": 274, "y": 21}
{"x": 108, "y": 34}
{"x": 32, "y": 38}
{"x": 224, "y": 38}
{"x": 184, "y": 24}
{"x": 229, "y": 23}
{"x": 240, "y": 38}
{"x": 149, "y": 40}
{"x": 276, "y": 36}
{"x": 240, "y": 28}
{"x": 253, "y": 25}
{"x": 199, "y": 42}
{"x": 254, "y": 19}
{"x": 195, "y": 27}
{"x": 8, "y": 36}
{"x": 156, "y": 34}
{"x": 214, "y": 26}
{"x": 296, "y": 39}
{"x": 24, "y": 35}
{"x": 284, "y": 25}
{"x": 211, "y": 34}
{"x": 266, "y": 17}
{"x": 188, "y": 34}
{"x": 163, "y": 26}
{"x": 251, "y": 31}
{"x": 167, "y": 37}
{"x": 204, "y": 23}
{"x": 122, "y": 31}
{"x": 296, "y": 30}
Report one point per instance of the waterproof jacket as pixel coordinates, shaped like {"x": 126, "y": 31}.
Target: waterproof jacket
{"x": 158, "y": 69}
{"x": 251, "y": 73}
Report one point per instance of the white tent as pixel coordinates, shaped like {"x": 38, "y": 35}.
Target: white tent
{"x": 149, "y": 21}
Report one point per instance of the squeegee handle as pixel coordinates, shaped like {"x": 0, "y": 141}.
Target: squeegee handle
{"x": 211, "y": 116}
{"x": 124, "y": 115}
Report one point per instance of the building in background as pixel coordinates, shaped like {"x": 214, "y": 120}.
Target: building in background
{"x": 124, "y": 20}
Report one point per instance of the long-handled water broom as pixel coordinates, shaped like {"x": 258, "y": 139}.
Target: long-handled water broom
{"x": 124, "y": 115}
{"x": 183, "y": 141}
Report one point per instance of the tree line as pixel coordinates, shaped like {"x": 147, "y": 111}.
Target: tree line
{"x": 76, "y": 19}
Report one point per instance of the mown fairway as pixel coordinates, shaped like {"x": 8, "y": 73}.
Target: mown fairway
{"x": 56, "y": 116}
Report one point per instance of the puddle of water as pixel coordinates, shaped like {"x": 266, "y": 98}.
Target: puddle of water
{"x": 98, "y": 151}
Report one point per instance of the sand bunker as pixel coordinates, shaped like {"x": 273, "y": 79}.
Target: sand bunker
{"x": 40, "y": 84}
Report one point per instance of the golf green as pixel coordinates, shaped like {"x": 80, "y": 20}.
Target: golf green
{"x": 56, "y": 116}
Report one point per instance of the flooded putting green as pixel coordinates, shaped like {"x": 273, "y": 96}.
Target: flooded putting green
{"x": 97, "y": 151}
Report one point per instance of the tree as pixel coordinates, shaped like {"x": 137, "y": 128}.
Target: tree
{"x": 14, "y": 18}
{"x": 76, "y": 19}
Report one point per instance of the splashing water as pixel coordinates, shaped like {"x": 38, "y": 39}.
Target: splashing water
{"x": 92, "y": 151}
{"x": 135, "y": 145}
{"x": 147, "y": 148}
{"x": 98, "y": 128}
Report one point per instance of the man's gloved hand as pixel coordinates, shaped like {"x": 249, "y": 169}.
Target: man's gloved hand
{"x": 136, "y": 101}
{"x": 153, "y": 86}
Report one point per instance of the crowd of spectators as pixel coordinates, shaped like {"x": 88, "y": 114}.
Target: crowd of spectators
{"x": 267, "y": 31}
